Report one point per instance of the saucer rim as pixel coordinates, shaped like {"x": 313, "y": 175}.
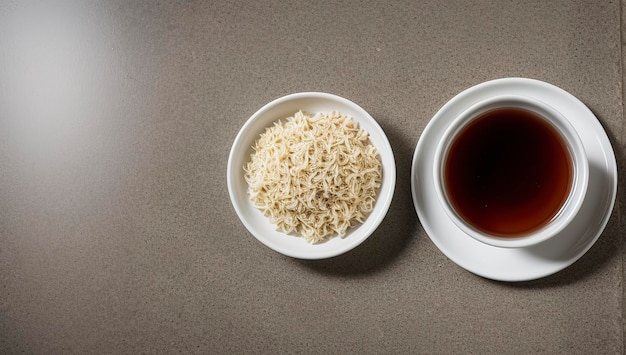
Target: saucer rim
{"x": 528, "y": 87}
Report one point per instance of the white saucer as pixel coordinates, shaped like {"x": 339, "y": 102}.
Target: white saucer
{"x": 527, "y": 263}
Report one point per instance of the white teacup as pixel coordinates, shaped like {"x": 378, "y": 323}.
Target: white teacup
{"x": 497, "y": 223}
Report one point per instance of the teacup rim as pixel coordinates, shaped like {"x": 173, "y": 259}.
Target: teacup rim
{"x": 570, "y": 207}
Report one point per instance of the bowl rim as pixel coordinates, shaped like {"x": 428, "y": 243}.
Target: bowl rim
{"x": 387, "y": 185}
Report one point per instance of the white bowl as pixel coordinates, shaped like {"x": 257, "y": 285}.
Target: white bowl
{"x": 571, "y": 206}
{"x": 259, "y": 225}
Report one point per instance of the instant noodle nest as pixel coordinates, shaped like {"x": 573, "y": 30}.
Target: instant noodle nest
{"x": 315, "y": 176}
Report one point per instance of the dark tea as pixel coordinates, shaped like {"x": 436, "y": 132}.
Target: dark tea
{"x": 508, "y": 172}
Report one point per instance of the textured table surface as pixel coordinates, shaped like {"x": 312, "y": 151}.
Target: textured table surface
{"x": 117, "y": 234}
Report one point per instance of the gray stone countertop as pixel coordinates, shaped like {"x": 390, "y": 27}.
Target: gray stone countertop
{"x": 117, "y": 234}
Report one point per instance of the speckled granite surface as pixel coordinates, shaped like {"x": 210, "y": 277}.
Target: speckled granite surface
{"x": 116, "y": 230}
